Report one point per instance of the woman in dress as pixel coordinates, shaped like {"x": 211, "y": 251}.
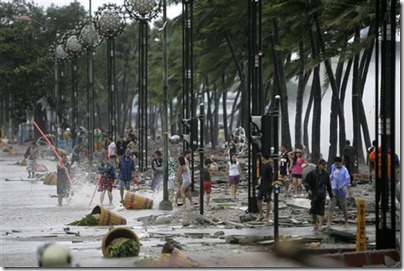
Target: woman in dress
{"x": 297, "y": 163}
{"x": 62, "y": 184}
{"x": 233, "y": 172}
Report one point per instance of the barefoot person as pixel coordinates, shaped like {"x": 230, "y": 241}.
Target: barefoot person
{"x": 233, "y": 171}
{"x": 127, "y": 168}
{"x": 32, "y": 154}
{"x": 62, "y": 182}
{"x": 297, "y": 163}
{"x": 340, "y": 180}
{"x": 265, "y": 188}
{"x": 184, "y": 174}
{"x": 107, "y": 171}
{"x": 317, "y": 183}
{"x": 207, "y": 180}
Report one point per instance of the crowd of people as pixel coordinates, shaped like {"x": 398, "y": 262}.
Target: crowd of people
{"x": 121, "y": 157}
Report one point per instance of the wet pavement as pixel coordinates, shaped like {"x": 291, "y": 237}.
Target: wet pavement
{"x": 31, "y": 217}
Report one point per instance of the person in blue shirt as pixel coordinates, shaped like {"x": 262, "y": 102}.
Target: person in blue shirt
{"x": 126, "y": 172}
{"x": 340, "y": 179}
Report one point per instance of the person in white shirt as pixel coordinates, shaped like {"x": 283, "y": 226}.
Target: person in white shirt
{"x": 112, "y": 151}
{"x": 233, "y": 172}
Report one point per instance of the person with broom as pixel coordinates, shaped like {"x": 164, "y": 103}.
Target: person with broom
{"x": 62, "y": 182}
{"x": 107, "y": 172}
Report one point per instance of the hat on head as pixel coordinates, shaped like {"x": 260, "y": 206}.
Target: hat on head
{"x": 298, "y": 150}
{"x": 322, "y": 162}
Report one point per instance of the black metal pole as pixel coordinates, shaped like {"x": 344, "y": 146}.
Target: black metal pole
{"x": 166, "y": 204}
{"x": 62, "y": 94}
{"x": 74, "y": 98}
{"x": 275, "y": 157}
{"x": 110, "y": 91}
{"x": 201, "y": 155}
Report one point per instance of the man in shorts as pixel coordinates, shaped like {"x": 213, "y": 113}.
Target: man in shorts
{"x": 317, "y": 183}
{"x": 126, "y": 173}
{"x": 207, "y": 181}
{"x": 265, "y": 188}
{"x": 340, "y": 179}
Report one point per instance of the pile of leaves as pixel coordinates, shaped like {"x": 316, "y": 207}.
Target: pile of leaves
{"x": 123, "y": 247}
{"x": 88, "y": 220}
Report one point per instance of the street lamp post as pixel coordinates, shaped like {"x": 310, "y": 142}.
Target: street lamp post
{"x": 165, "y": 204}
{"x": 90, "y": 39}
{"x": 110, "y": 22}
{"x": 187, "y": 69}
{"x": 143, "y": 11}
{"x": 73, "y": 47}
{"x": 60, "y": 57}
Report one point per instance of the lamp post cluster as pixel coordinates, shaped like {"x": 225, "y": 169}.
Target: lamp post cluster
{"x": 108, "y": 23}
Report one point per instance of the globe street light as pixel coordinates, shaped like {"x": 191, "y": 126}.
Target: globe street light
{"x": 143, "y": 11}
{"x": 110, "y": 22}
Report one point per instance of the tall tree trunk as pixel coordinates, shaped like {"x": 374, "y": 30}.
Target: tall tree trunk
{"x": 224, "y": 105}
{"x": 299, "y": 97}
{"x": 245, "y": 107}
{"x": 279, "y": 73}
{"x": 316, "y": 94}
{"x": 355, "y": 103}
{"x": 336, "y": 106}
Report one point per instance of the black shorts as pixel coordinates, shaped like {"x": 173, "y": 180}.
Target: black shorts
{"x": 317, "y": 207}
{"x": 265, "y": 194}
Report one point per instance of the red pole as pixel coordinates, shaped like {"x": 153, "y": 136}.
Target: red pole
{"x": 55, "y": 152}
{"x": 98, "y": 183}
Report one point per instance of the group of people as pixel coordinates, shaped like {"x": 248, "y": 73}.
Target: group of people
{"x": 107, "y": 179}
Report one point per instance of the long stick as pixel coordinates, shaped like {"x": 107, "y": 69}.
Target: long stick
{"x": 56, "y": 153}
{"x": 96, "y": 186}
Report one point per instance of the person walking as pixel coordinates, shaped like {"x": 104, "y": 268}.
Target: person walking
{"x": 127, "y": 169}
{"x": 184, "y": 174}
{"x": 107, "y": 172}
{"x": 265, "y": 187}
{"x": 207, "y": 180}
{"x": 121, "y": 146}
{"x": 348, "y": 160}
{"x": 157, "y": 167}
{"x": 317, "y": 184}
{"x": 233, "y": 172}
{"x": 31, "y": 154}
{"x": 62, "y": 181}
{"x": 112, "y": 151}
{"x": 297, "y": 163}
{"x": 97, "y": 137}
{"x": 284, "y": 163}
{"x": 340, "y": 180}
{"x": 231, "y": 148}
{"x": 77, "y": 149}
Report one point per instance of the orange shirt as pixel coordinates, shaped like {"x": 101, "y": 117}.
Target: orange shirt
{"x": 372, "y": 158}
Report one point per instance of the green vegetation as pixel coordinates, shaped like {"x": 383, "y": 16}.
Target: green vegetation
{"x": 88, "y": 220}
{"x": 123, "y": 247}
